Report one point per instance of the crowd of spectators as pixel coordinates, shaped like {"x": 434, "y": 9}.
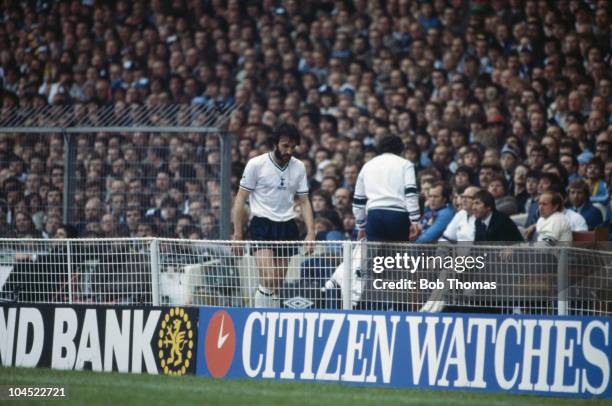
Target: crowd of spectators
{"x": 511, "y": 96}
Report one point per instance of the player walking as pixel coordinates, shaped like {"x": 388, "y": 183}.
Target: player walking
{"x": 271, "y": 182}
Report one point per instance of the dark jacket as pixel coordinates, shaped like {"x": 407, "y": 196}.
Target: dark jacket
{"x": 591, "y": 214}
{"x": 501, "y": 228}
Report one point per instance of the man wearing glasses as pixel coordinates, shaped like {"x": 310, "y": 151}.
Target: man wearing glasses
{"x": 462, "y": 226}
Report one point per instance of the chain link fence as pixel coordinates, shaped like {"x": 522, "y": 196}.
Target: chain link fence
{"x": 320, "y": 275}
{"x": 116, "y": 171}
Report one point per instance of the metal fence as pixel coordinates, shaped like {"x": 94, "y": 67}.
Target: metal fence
{"x": 161, "y": 167}
{"x": 323, "y": 275}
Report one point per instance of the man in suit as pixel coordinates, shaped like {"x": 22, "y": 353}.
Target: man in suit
{"x": 491, "y": 224}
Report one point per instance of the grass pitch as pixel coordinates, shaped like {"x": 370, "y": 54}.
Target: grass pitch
{"x": 91, "y": 388}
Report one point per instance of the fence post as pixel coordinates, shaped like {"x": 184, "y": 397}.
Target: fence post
{"x": 69, "y": 263}
{"x": 154, "y": 252}
{"x": 226, "y": 192}
{"x": 562, "y": 282}
{"x": 347, "y": 278}
{"x": 69, "y": 176}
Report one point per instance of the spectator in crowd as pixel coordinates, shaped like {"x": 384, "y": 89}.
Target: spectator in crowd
{"x": 461, "y": 85}
{"x": 133, "y": 218}
{"x": 464, "y": 177}
{"x": 168, "y": 217}
{"x": 570, "y": 163}
{"x": 350, "y": 177}
{"x": 6, "y": 231}
{"x": 597, "y": 185}
{"x": 547, "y": 181}
{"x": 24, "y": 227}
{"x": 503, "y": 201}
{"x": 93, "y": 213}
{"x": 580, "y": 203}
{"x": 519, "y": 185}
{"x": 552, "y": 226}
{"x": 322, "y": 207}
{"x": 491, "y": 224}
{"x": 208, "y": 226}
{"x": 462, "y": 226}
{"x": 531, "y": 188}
{"x": 438, "y": 214}
{"x": 509, "y": 161}
{"x": 110, "y": 228}
{"x": 486, "y": 173}
{"x": 342, "y": 201}
{"x": 182, "y": 221}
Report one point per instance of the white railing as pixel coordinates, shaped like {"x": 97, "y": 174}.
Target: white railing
{"x": 485, "y": 278}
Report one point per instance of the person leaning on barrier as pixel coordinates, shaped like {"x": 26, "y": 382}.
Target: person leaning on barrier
{"x": 385, "y": 202}
{"x": 270, "y": 182}
{"x": 491, "y": 224}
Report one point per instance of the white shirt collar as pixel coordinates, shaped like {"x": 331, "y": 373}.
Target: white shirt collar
{"x": 487, "y": 220}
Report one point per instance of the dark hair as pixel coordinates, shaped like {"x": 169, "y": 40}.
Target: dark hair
{"x": 605, "y": 144}
{"x": 540, "y": 148}
{"x": 555, "y": 182}
{"x": 598, "y": 163}
{"x": 168, "y": 202}
{"x": 494, "y": 167}
{"x": 392, "y": 144}
{"x": 572, "y": 157}
{"x": 486, "y": 198}
{"x": 501, "y": 179}
{"x": 562, "y": 171}
{"x": 446, "y": 189}
{"x": 411, "y": 146}
{"x": 580, "y": 184}
{"x": 286, "y": 130}
{"x": 324, "y": 195}
{"x": 71, "y": 231}
{"x": 533, "y": 174}
{"x": 183, "y": 216}
{"x": 332, "y": 120}
{"x": 191, "y": 229}
{"x": 467, "y": 170}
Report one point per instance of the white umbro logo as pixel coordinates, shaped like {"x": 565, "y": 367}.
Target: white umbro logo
{"x": 222, "y": 338}
{"x": 299, "y": 303}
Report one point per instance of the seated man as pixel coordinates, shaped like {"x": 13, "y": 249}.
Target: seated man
{"x": 437, "y": 216}
{"x": 491, "y": 224}
{"x": 579, "y": 202}
{"x": 462, "y": 226}
{"x": 552, "y": 226}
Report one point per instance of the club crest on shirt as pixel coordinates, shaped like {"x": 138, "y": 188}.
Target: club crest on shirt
{"x": 282, "y": 185}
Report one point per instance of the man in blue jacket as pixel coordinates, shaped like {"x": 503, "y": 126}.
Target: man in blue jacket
{"x": 438, "y": 215}
{"x": 579, "y": 202}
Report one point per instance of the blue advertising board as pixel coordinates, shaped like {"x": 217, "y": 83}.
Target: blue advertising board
{"x": 545, "y": 355}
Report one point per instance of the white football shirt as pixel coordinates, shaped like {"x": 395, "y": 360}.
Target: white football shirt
{"x": 388, "y": 182}
{"x": 272, "y": 188}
